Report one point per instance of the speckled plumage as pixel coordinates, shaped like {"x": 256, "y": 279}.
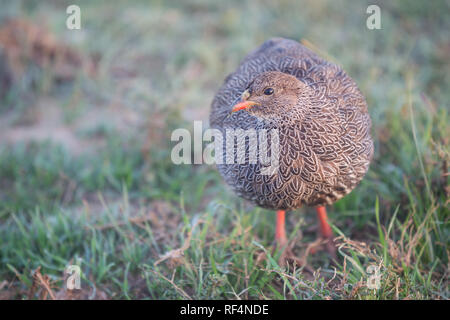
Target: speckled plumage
{"x": 323, "y": 123}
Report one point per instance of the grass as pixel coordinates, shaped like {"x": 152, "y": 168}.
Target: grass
{"x": 142, "y": 228}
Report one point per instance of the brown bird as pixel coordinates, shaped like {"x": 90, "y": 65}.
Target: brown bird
{"x": 323, "y": 129}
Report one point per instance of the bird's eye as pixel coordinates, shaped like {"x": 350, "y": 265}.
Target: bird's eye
{"x": 268, "y": 91}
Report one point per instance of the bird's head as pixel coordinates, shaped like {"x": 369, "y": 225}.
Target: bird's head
{"x": 272, "y": 95}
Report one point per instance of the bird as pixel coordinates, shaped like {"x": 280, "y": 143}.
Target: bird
{"x": 323, "y": 126}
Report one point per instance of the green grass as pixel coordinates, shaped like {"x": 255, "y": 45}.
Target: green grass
{"x": 123, "y": 211}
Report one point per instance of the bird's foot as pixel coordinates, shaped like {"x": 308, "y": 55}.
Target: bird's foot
{"x": 289, "y": 258}
{"x": 325, "y": 244}
{"x": 325, "y": 239}
{"x": 287, "y": 255}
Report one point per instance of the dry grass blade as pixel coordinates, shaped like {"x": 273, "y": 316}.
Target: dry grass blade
{"x": 177, "y": 255}
{"x": 40, "y": 280}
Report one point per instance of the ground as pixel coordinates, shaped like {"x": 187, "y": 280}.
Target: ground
{"x": 85, "y": 171}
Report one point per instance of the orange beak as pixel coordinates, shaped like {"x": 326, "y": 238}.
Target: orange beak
{"x": 243, "y": 105}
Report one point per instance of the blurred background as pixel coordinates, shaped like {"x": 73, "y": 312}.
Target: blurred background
{"x": 85, "y": 170}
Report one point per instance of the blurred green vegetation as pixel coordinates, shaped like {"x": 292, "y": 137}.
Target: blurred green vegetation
{"x": 116, "y": 204}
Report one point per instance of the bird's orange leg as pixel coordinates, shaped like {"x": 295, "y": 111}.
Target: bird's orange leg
{"x": 282, "y": 241}
{"x": 280, "y": 231}
{"x": 325, "y": 231}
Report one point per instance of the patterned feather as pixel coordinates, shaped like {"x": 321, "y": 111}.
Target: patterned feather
{"x": 322, "y": 120}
